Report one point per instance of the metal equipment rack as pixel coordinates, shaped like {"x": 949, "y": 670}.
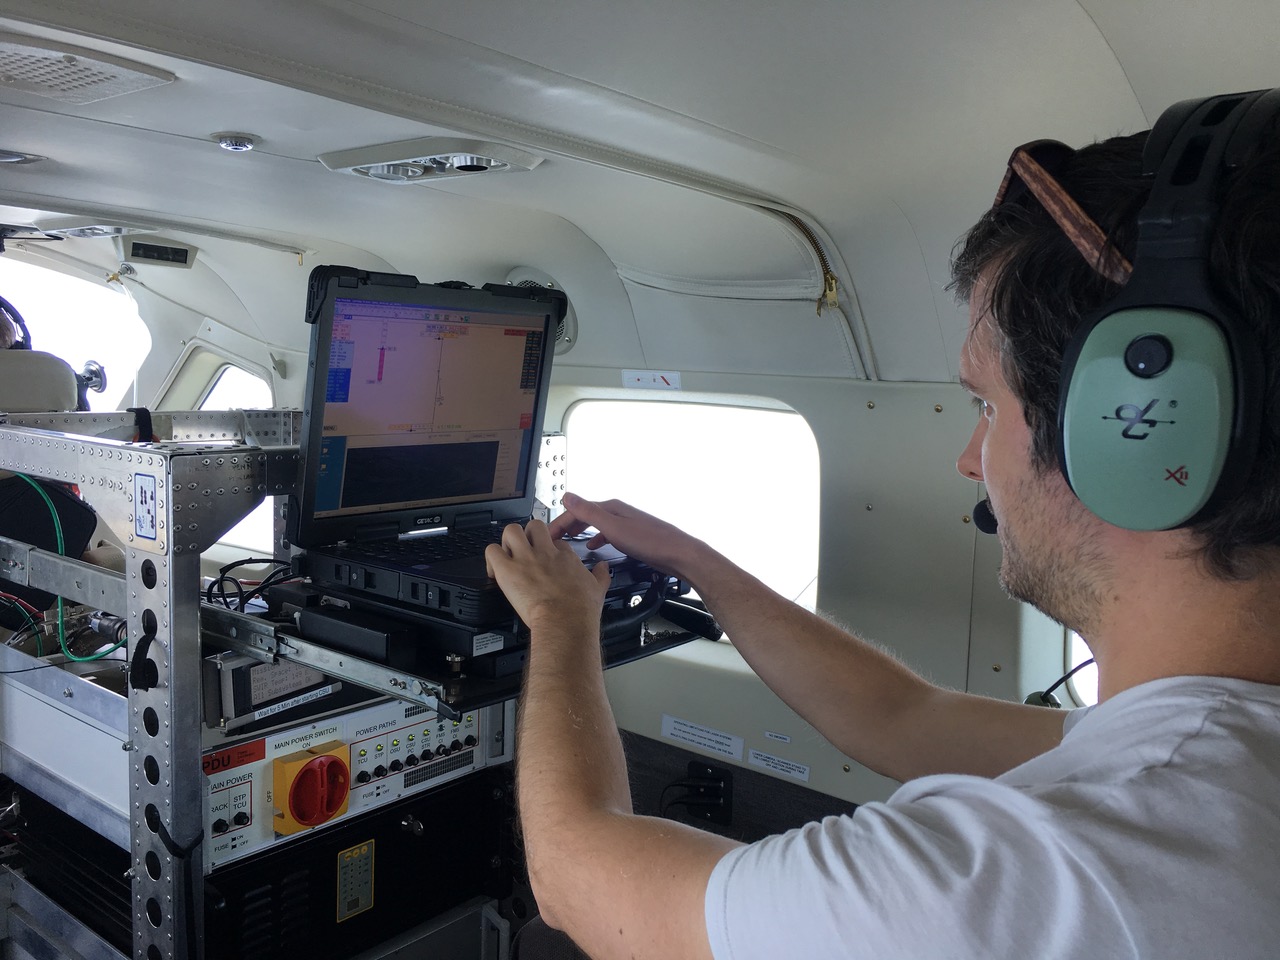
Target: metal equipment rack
{"x": 166, "y": 501}
{"x": 64, "y": 723}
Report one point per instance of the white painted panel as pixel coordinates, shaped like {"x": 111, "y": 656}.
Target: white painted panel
{"x": 779, "y": 337}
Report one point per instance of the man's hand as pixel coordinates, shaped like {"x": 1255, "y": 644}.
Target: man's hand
{"x": 546, "y": 583}
{"x": 634, "y": 532}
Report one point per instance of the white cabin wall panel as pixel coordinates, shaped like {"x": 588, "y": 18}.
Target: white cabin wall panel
{"x": 658, "y": 228}
{"x": 709, "y": 686}
{"x": 910, "y": 338}
{"x": 774, "y": 337}
{"x": 1202, "y": 50}
{"x": 896, "y": 557}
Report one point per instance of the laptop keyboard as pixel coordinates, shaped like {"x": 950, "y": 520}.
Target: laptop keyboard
{"x": 434, "y": 549}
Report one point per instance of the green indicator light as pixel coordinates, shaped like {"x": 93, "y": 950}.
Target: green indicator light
{"x": 395, "y": 743}
{"x": 378, "y": 748}
{"x": 411, "y": 738}
{"x": 364, "y": 753}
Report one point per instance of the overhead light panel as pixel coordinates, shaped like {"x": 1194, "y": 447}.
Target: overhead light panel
{"x": 429, "y": 159}
{"x": 70, "y": 74}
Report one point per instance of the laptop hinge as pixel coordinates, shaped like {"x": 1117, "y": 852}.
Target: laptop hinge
{"x": 469, "y": 521}
{"x": 369, "y": 532}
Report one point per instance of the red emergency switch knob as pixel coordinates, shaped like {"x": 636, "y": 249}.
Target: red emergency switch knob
{"x": 319, "y": 791}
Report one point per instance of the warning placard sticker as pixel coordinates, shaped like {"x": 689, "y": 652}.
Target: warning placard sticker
{"x": 705, "y": 738}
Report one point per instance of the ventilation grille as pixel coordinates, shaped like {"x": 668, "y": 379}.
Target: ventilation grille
{"x": 566, "y": 329}
{"x": 70, "y": 74}
{"x": 436, "y": 768}
{"x": 430, "y": 159}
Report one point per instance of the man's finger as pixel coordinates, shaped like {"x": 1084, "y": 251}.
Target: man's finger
{"x": 513, "y": 538}
{"x": 493, "y": 555}
{"x": 537, "y": 534}
{"x": 601, "y": 572}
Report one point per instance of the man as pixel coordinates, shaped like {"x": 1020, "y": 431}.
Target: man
{"x": 1148, "y": 826}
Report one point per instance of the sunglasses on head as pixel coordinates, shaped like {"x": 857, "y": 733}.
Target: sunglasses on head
{"x": 1029, "y": 172}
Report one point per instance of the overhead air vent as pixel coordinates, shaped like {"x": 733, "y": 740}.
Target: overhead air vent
{"x": 91, "y": 227}
{"x": 13, "y": 156}
{"x": 70, "y": 74}
{"x": 430, "y": 159}
{"x": 567, "y": 330}
{"x": 154, "y": 250}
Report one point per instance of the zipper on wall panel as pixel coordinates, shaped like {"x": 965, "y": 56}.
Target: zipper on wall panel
{"x": 829, "y": 297}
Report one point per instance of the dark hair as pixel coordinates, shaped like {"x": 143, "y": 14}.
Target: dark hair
{"x": 1040, "y": 287}
{"x": 8, "y": 331}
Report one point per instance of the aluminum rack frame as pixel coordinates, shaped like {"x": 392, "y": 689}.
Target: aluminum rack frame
{"x": 166, "y": 501}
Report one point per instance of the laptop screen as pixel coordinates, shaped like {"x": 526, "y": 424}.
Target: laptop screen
{"x": 424, "y": 403}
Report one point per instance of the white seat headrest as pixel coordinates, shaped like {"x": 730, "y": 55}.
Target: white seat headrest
{"x": 35, "y": 382}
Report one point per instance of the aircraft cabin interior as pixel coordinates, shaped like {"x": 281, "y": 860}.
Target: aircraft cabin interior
{"x": 706, "y": 250}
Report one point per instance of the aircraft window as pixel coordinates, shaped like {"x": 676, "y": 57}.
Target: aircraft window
{"x": 744, "y": 479}
{"x": 235, "y": 388}
{"x": 80, "y": 321}
{"x": 1083, "y": 687}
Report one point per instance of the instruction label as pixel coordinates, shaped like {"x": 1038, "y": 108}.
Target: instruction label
{"x": 297, "y": 701}
{"x": 787, "y": 768}
{"x": 486, "y": 643}
{"x": 145, "y": 511}
{"x": 270, "y": 681}
{"x": 705, "y": 738}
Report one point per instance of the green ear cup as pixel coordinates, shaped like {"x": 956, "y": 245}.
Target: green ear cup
{"x": 1145, "y": 452}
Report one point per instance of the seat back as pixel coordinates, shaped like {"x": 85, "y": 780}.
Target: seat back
{"x": 35, "y": 382}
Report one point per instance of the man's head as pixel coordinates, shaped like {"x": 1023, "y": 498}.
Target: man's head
{"x": 8, "y": 332}
{"x": 1039, "y": 287}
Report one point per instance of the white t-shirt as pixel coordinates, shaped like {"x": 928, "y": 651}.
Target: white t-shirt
{"x": 1152, "y": 831}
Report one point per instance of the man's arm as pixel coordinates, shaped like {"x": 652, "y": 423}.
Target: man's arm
{"x": 621, "y": 886}
{"x": 864, "y": 701}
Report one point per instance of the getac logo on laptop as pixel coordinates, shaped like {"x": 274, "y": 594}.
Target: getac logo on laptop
{"x": 429, "y": 521}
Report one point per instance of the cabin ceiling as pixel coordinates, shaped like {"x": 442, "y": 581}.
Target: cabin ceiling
{"x": 672, "y": 133}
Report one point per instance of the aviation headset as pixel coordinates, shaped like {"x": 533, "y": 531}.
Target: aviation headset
{"x": 10, "y": 313}
{"x": 1162, "y": 388}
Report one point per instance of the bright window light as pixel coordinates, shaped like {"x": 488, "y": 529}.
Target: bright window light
{"x": 80, "y": 321}
{"x": 717, "y": 472}
{"x": 1084, "y": 685}
{"x": 238, "y": 389}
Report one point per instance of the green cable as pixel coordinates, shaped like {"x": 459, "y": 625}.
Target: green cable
{"x": 62, "y": 552}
